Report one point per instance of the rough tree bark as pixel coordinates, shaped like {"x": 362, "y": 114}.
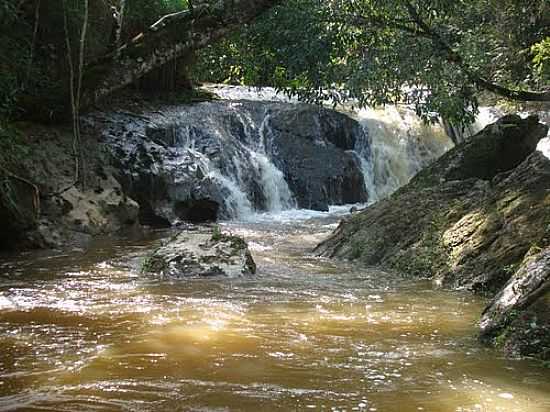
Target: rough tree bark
{"x": 167, "y": 40}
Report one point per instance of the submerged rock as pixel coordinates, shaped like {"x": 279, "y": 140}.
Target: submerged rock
{"x": 467, "y": 221}
{"x": 201, "y": 252}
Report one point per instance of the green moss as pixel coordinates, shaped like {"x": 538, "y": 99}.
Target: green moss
{"x": 217, "y": 234}
{"x": 428, "y": 255}
{"x": 356, "y": 250}
{"x": 12, "y": 146}
{"x": 150, "y": 264}
{"x": 500, "y": 340}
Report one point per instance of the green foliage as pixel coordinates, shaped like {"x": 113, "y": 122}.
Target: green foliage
{"x": 541, "y": 59}
{"x": 14, "y": 47}
{"x": 217, "y": 234}
{"x": 140, "y": 14}
{"x": 12, "y": 146}
{"x": 12, "y": 151}
{"x": 373, "y": 52}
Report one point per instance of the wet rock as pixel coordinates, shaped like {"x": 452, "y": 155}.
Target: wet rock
{"x": 519, "y": 315}
{"x": 197, "y": 210}
{"x": 462, "y": 233}
{"x": 499, "y": 147}
{"x": 313, "y": 147}
{"x": 241, "y": 155}
{"x": 201, "y": 252}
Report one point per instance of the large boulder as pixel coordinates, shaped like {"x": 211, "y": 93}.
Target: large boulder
{"x": 199, "y": 252}
{"x": 238, "y": 155}
{"x": 314, "y": 149}
{"x": 463, "y": 228}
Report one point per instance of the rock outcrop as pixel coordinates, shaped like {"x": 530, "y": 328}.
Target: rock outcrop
{"x": 467, "y": 221}
{"x": 240, "y": 155}
{"x": 314, "y": 149}
{"x": 199, "y": 252}
{"x": 48, "y": 209}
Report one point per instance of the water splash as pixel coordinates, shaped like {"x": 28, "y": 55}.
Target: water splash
{"x": 247, "y": 167}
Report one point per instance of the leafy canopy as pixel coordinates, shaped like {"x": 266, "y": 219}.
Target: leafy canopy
{"x": 435, "y": 54}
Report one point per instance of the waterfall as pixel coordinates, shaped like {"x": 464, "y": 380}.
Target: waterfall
{"x": 234, "y": 158}
{"x": 259, "y": 151}
{"x": 396, "y": 145}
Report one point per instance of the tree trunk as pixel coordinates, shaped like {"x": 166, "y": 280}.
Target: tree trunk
{"x": 167, "y": 40}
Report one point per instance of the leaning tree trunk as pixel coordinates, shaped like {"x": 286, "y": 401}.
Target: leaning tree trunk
{"x": 171, "y": 38}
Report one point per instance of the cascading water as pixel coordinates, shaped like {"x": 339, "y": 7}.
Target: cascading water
{"x": 261, "y": 152}
{"x": 398, "y": 145}
{"x": 249, "y": 160}
{"x": 394, "y": 146}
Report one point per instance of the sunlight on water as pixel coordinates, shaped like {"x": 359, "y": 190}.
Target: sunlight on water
{"x": 304, "y": 334}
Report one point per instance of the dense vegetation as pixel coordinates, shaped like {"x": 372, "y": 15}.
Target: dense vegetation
{"x": 438, "y": 55}
{"x": 34, "y": 70}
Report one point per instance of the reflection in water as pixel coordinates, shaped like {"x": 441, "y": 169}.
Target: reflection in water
{"x": 88, "y": 332}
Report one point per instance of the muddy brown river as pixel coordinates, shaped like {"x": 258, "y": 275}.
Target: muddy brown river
{"x": 85, "y": 331}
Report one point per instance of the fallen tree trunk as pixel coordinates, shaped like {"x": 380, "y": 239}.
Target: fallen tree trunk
{"x": 169, "y": 39}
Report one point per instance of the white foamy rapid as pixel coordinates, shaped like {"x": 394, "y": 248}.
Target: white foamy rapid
{"x": 399, "y": 145}
{"x": 264, "y": 94}
{"x": 247, "y": 163}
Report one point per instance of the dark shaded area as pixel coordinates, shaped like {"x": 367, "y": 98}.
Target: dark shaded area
{"x": 148, "y": 217}
{"x": 312, "y": 146}
{"x": 17, "y": 212}
{"x": 197, "y": 211}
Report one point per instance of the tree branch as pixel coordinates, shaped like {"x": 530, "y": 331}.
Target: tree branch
{"x": 170, "y": 38}
{"x": 479, "y": 81}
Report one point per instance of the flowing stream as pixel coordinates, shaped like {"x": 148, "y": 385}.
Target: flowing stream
{"x": 85, "y": 331}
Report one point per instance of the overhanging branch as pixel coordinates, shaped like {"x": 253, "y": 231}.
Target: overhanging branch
{"x": 170, "y": 38}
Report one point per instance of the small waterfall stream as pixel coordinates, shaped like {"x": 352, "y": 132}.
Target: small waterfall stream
{"x": 394, "y": 145}
{"x": 233, "y": 181}
{"x": 398, "y": 146}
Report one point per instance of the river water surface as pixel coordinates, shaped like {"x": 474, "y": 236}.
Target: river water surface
{"x": 85, "y": 331}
